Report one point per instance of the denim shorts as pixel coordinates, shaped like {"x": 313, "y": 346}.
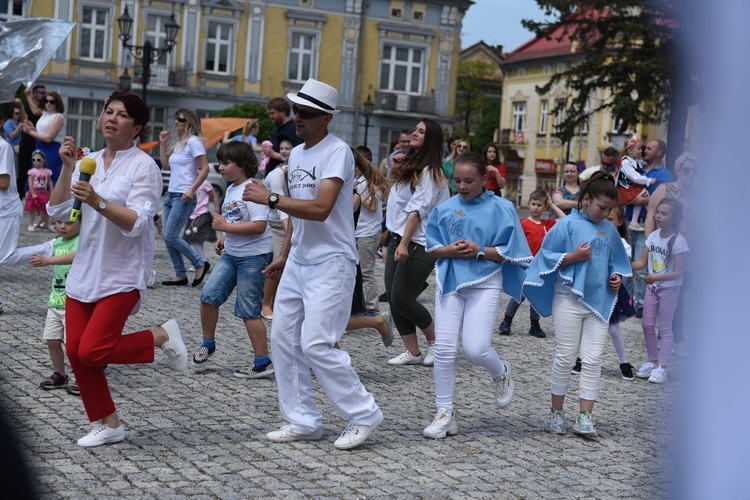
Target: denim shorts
{"x": 245, "y": 273}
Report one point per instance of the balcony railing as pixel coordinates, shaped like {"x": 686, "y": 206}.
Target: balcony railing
{"x": 401, "y": 101}
{"x": 163, "y": 76}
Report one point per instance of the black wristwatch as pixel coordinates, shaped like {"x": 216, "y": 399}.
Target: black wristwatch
{"x": 480, "y": 254}
{"x": 273, "y": 199}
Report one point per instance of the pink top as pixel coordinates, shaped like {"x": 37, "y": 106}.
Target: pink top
{"x": 201, "y": 206}
{"x": 39, "y": 178}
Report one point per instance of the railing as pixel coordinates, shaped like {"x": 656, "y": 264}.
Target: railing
{"x": 163, "y": 76}
{"x": 401, "y": 101}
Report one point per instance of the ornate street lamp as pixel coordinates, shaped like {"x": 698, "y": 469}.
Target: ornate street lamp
{"x": 125, "y": 80}
{"x": 146, "y": 53}
{"x": 369, "y": 108}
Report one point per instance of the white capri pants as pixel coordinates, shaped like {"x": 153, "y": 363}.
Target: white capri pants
{"x": 312, "y": 308}
{"x": 577, "y": 329}
{"x": 473, "y": 310}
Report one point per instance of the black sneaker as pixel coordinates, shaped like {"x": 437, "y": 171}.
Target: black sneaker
{"x": 627, "y": 371}
{"x": 56, "y": 381}
{"x": 504, "y": 328}
{"x": 383, "y": 298}
{"x": 577, "y": 368}
{"x": 253, "y": 371}
{"x": 72, "y": 389}
{"x": 639, "y": 312}
{"x": 202, "y": 355}
{"x": 536, "y": 331}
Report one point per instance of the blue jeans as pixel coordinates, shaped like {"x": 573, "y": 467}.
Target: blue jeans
{"x": 246, "y": 274}
{"x": 175, "y": 215}
{"x": 638, "y": 243}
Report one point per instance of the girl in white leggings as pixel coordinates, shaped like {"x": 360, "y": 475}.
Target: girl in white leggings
{"x": 475, "y": 259}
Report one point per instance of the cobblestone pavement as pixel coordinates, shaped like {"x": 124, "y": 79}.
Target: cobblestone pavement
{"x": 202, "y": 433}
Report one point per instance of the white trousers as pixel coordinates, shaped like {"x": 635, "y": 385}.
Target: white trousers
{"x": 577, "y": 328}
{"x": 312, "y": 308}
{"x": 473, "y": 311}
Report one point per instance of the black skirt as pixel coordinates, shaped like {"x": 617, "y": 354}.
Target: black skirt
{"x": 624, "y": 308}
{"x": 200, "y": 230}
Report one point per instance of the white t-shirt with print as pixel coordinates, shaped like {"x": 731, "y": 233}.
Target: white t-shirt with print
{"x": 401, "y": 202}
{"x": 658, "y": 249}
{"x": 10, "y": 203}
{"x": 370, "y": 223}
{"x": 183, "y": 165}
{"x": 235, "y": 211}
{"x": 276, "y": 183}
{"x": 314, "y": 242}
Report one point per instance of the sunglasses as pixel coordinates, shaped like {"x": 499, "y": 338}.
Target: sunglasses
{"x": 307, "y": 115}
{"x": 38, "y": 160}
{"x": 180, "y": 119}
{"x": 462, "y": 147}
{"x": 50, "y": 101}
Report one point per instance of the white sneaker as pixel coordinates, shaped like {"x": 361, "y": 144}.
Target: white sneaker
{"x": 658, "y": 376}
{"x": 151, "y": 279}
{"x": 504, "y": 387}
{"x": 175, "y": 347}
{"x": 287, "y": 433}
{"x": 645, "y": 370}
{"x": 102, "y": 434}
{"x": 405, "y": 358}
{"x": 429, "y": 357}
{"x": 443, "y": 425}
{"x": 354, "y": 435}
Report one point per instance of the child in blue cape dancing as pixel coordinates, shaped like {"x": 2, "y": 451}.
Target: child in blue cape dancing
{"x": 575, "y": 277}
{"x": 479, "y": 245}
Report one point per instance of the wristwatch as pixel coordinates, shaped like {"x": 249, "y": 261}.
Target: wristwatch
{"x": 273, "y": 199}
{"x": 480, "y": 253}
{"x": 102, "y": 205}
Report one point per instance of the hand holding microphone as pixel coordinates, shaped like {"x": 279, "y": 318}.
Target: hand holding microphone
{"x": 87, "y": 169}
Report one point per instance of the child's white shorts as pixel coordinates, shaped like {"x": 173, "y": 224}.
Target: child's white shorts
{"x": 54, "y": 325}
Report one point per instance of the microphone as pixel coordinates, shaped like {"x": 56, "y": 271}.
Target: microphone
{"x": 87, "y": 169}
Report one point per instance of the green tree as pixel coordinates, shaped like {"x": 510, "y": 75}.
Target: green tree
{"x": 473, "y": 79}
{"x": 249, "y": 110}
{"x": 486, "y": 126}
{"x": 630, "y": 49}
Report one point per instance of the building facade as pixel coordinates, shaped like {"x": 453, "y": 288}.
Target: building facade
{"x": 402, "y": 54}
{"x": 534, "y": 156}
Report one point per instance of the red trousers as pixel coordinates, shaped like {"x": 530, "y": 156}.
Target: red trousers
{"x": 94, "y": 338}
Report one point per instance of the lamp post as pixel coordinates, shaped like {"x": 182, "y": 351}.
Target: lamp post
{"x": 369, "y": 107}
{"x": 145, "y": 53}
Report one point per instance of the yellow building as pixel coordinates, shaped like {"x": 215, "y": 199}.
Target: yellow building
{"x": 534, "y": 157}
{"x": 401, "y": 54}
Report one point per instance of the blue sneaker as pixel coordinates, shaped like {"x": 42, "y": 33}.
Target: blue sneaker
{"x": 584, "y": 426}
{"x": 557, "y": 422}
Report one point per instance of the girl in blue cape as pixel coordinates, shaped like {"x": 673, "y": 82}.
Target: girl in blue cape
{"x": 575, "y": 277}
{"x": 479, "y": 245}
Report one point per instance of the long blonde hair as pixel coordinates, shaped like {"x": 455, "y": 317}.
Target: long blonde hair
{"x": 192, "y": 129}
{"x": 250, "y": 125}
{"x": 376, "y": 182}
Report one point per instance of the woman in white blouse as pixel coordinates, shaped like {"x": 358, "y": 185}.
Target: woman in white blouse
{"x": 113, "y": 262}
{"x": 419, "y": 186}
{"x": 186, "y": 158}
{"x": 49, "y": 131}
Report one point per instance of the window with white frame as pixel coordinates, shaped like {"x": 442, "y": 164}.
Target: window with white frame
{"x": 93, "y": 33}
{"x": 81, "y": 116}
{"x": 157, "y": 123}
{"x": 585, "y": 124}
{"x": 156, "y": 33}
{"x": 519, "y": 116}
{"x": 402, "y": 69}
{"x": 12, "y": 9}
{"x": 617, "y": 125}
{"x": 302, "y": 61}
{"x": 560, "y": 113}
{"x": 218, "y": 53}
{"x": 543, "y": 115}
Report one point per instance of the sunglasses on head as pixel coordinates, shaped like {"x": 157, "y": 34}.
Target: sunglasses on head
{"x": 38, "y": 160}
{"x": 50, "y": 101}
{"x": 180, "y": 119}
{"x": 307, "y": 115}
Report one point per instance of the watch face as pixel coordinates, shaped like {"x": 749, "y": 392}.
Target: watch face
{"x": 102, "y": 205}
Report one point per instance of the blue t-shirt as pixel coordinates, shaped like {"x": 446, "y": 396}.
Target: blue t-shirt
{"x": 10, "y": 127}
{"x": 661, "y": 174}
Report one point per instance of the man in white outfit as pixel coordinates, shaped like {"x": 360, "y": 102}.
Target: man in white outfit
{"x": 318, "y": 260}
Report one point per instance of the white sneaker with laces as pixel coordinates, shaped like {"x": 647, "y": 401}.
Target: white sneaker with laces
{"x": 504, "y": 387}
{"x": 175, "y": 347}
{"x": 354, "y": 435}
{"x": 405, "y": 358}
{"x": 429, "y": 357}
{"x": 288, "y": 433}
{"x": 102, "y": 434}
{"x": 645, "y": 370}
{"x": 443, "y": 425}
{"x": 658, "y": 376}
